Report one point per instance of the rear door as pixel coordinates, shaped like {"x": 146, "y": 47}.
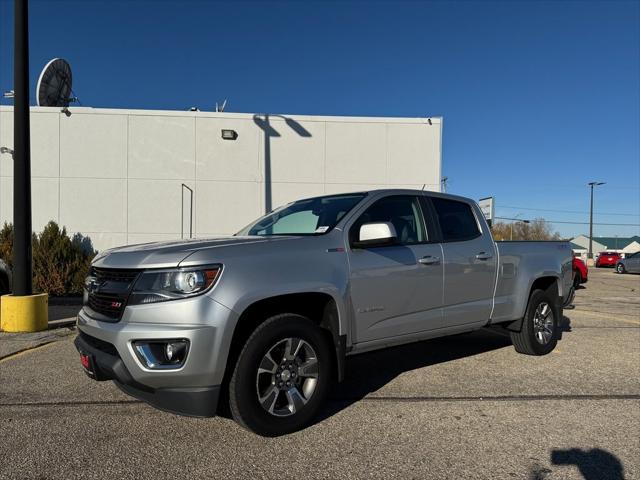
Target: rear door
{"x": 395, "y": 289}
{"x": 469, "y": 262}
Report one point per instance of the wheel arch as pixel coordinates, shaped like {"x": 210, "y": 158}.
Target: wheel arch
{"x": 320, "y": 307}
{"x": 551, "y": 283}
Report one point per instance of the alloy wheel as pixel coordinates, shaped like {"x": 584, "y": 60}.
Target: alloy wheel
{"x": 287, "y": 377}
{"x": 543, "y": 323}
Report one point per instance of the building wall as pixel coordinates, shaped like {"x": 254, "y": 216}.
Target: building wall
{"x": 117, "y": 175}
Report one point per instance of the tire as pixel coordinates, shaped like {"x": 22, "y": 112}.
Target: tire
{"x": 620, "y": 268}
{"x": 286, "y": 409}
{"x": 531, "y": 340}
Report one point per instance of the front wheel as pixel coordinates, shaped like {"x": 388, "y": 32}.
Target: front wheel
{"x": 539, "y": 333}
{"x": 620, "y": 268}
{"x": 282, "y": 376}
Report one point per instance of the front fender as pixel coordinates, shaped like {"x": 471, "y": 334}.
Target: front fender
{"x": 264, "y": 292}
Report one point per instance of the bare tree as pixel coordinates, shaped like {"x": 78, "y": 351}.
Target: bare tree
{"x": 538, "y": 229}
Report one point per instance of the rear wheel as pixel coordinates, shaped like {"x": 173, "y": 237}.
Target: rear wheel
{"x": 620, "y": 268}
{"x": 282, "y": 376}
{"x": 539, "y": 333}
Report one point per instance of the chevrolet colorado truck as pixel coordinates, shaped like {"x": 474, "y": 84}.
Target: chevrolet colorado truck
{"x": 264, "y": 319}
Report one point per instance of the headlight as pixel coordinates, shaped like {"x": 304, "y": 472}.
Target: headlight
{"x": 162, "y": 285}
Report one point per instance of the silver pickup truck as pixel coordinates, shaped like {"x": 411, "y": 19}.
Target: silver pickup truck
{"x": 264, "y": 319}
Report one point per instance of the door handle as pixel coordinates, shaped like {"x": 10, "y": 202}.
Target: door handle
{"x": 429, "y": 260}
{"x": 483, "y": 256}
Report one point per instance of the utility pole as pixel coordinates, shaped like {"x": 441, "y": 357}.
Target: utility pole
{"x": 590, "y": 253}
{"x": 22, "y": 273}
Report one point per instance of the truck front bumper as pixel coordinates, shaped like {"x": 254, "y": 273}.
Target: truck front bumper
{"x": 105, "y": 365}
{"x": 190, "y": 389}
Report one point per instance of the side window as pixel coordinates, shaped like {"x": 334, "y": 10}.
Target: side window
{"x": 402, "y": 211}
{"x": 457, "y": 220}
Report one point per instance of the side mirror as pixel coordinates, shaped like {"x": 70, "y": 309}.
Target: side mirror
{"x": 376, "y": 234}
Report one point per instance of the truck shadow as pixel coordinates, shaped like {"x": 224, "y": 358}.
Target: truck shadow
{"x": 593, "y": 464}
{"x": 565, "y": 326}
{"x": 368, "y": 372}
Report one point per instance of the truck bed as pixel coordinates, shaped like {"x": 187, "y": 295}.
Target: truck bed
{"x": 521, "y": 261}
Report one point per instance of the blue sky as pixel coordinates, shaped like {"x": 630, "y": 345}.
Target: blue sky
{"x": 538, "y": 98}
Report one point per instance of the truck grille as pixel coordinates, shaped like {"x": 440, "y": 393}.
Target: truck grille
{"x": 108, "y": 292}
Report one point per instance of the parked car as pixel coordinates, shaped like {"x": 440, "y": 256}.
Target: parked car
{"x": 580, "y": 272}
{"x": 630, "y": 264}
{"x": 607, "y": 259}
{"x": 268, "y": 316}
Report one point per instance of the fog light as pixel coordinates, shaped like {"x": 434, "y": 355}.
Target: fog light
{"x": 174, "y": 351}
{"x": 169, "y": 351}
{"x": 161, "y": 354}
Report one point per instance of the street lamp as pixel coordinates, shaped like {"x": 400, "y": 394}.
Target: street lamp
{"x": 514, "y": 220}
{"x": 590, "y": 253}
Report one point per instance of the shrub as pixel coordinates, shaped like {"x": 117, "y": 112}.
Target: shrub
{"x": 60, "y": 263}
{"x": 6, "y": 243}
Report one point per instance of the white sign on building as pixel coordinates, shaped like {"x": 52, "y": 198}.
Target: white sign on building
{"x": 487, "y": 205}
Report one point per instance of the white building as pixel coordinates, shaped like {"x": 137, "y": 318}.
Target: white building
{"x": 132, "y": 176}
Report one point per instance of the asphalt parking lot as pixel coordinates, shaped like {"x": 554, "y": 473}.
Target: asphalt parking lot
{"x": 462, "y": 407}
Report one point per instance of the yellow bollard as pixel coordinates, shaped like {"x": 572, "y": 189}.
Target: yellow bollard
{"x": 24, "y": 314}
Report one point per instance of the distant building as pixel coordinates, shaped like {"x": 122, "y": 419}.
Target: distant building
{"x": 580, "y": 244}
{"x": 579, "y": 250}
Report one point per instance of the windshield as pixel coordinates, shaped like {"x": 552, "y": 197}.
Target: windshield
{"x": 313, "y": 216}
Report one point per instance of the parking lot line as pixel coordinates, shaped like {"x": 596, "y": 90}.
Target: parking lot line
{"x": 607, "y": 317}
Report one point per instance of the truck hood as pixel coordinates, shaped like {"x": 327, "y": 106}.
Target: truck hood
{"x": 169, "y": 254}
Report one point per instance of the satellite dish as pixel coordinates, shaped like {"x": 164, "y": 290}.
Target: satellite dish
{"x": 54, "y": 85}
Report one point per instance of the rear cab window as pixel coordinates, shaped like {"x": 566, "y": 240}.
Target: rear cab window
{"x": 457, "y": 220}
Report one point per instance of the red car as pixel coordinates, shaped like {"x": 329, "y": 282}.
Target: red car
{"x": 580, "y": 272}
{"x": 607, "y": 259}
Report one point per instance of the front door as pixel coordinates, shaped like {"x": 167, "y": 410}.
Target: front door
{"x": 395, "y": 289}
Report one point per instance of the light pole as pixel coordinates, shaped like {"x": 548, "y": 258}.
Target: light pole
{"x": 22, "y": 311}
{"x": 516, "y": 220}
{"x": 513, "y": 220}
{"x": 590, "y": 253}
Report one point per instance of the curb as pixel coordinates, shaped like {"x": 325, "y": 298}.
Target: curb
{"x": 61, "y": 323}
